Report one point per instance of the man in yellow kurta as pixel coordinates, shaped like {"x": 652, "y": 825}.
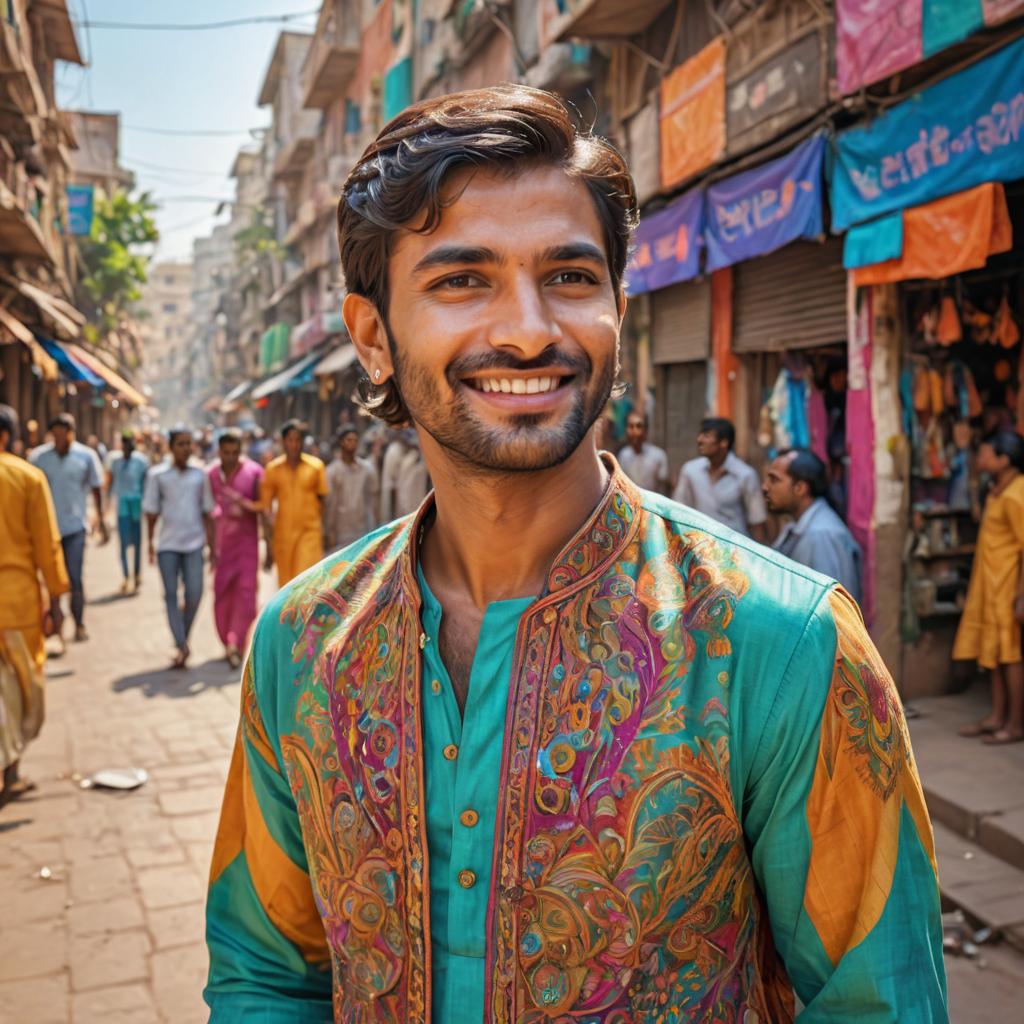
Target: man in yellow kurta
{"x": 298, "y": 484}
{"x": 30, "y": 546}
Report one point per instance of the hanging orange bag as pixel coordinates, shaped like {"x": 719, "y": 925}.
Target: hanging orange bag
{"x": 950, "y": 331}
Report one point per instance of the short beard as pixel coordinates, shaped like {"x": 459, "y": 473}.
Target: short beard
{"x": 528, "y": 447}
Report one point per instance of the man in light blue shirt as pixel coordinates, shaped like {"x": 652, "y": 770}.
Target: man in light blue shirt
{"x": 72, "y": 471}
{"x": 178, "y": 494}
{"x": 126, "y": 474}
{"x": 795, "y": 484}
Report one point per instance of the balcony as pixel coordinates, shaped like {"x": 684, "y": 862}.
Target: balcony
{"x": 596, "y": 19}
{"x": 331, "y": 60}
{"x": 292, "y": 158}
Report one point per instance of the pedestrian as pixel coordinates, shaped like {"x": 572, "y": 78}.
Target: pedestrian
{"x": 73, "y": 471}
{"x": 989, "y": 630}
{"x": 796, "y": 484}
{"x": 126, "y": 477}
{"x": 178, "y": 495}
{"x": 235, "y": 482}
{"x": 294, "y": 489}
{"x": 31, "y": 548}
{"x": 644, "y": 463}
{"x": 720, "y": 484}
{"x": 350, "y": 510}
{"x": 550, "y": 750}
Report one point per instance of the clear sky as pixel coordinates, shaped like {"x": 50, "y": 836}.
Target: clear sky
{"x": 181, "y": 80}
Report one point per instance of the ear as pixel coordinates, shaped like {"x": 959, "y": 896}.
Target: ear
{"x": 620, "y": 303}
{"x": 366, "y": 328}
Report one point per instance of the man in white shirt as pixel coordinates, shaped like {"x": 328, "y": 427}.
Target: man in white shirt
{"x": 350, "y": 510}
{"x": 179, "y": 495}
{"x": 644, "y": 463}
{"x": 720, "y": 484}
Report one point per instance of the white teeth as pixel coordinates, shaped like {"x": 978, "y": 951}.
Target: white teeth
{"x": 533, "y": 386}
{"x": 506, "y": 386}
{"x": 517, "y": 385}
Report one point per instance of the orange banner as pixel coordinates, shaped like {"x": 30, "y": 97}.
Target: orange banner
{"x": 693, "y": 115}
{"x": 947, "y": 236}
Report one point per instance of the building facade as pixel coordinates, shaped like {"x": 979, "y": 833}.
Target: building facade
{"x": 166, "y": 327}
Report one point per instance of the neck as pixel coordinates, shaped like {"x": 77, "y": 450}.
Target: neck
{"x": 638, "y": 447}
{"x": 496, "y": 536}
{"x": 1006, "y": 477}
{"x": 803, "y": 506}
{"x": 348, "y": 457}
{"x": 293, "y": 460}
{"x": 718, "y": 459}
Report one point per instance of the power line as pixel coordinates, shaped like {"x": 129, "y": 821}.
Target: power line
{"x": 186, "y": 131}
{"x": 197, "y": 26}
{"x": 167, "y": 167}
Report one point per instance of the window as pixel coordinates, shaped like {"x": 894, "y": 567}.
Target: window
{"x": 170, "y": 307}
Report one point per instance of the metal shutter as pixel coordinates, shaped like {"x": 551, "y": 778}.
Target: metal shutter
{"x": 793, "y": 298}
{"x": 681, "y": 322}
{"x": 682, "y": 404}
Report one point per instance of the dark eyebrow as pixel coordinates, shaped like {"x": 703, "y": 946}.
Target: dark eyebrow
{"x": 446, "y": 255}
{"x": 574, "y": 251}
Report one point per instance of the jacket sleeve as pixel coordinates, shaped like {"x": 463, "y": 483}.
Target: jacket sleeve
{"x": 269, "y": 960}
{"x": 46, "y": 548}
{"x": 841, "y": 842}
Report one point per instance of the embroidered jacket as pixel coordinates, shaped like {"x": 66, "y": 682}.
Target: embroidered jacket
{"x": 708, "y": 797}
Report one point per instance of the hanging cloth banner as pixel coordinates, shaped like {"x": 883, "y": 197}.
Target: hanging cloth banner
{"x": 692, "y": 120}
{"x": 996, "y": 11}
{"x": 875, "y": 39}
{"x": 667, "y": 246}
{"x": 947, "y": 237}
{"x": 759, "y": 211}
{"x": 964, "y": 131}
{"x": 948, "y": 21}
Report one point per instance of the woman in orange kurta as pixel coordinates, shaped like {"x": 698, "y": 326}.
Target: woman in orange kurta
{"x": 989, "y": 630}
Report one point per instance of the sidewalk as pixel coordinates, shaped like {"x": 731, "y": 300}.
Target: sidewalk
{"x": 114, "y": 933}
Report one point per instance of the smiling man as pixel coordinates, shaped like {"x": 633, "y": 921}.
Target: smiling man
{"x": 552, "y": 748}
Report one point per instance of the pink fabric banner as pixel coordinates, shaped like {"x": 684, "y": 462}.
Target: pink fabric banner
{"x": 874, "y": 39}
{"x": 996, "y": 11}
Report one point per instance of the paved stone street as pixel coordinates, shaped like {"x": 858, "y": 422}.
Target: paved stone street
{"x": 111, "y": 932}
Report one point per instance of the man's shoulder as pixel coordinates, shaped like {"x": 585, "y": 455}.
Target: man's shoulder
{"x": 20, "y": 472}
{"x": 40, "y": 454}
{"x": 312, "y": 461}
{"x": 275, "y": 463}
{"x": 695, "y": 465}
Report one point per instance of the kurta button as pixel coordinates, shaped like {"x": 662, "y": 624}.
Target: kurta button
{"x": 450, "y": 752}
{"x": 469, "y": 818}
{"x": 550, "y": 615}
{"x": 467, "y": 878}
{"x": 436, "y": 685}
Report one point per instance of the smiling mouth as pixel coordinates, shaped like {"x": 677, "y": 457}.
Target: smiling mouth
{"x": 540, "y": 385}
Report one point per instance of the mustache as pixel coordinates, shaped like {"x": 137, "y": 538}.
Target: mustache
{"x": 549, "y": 359}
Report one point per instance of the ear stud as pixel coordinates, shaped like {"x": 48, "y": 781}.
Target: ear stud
{"x": 376, "y": 375}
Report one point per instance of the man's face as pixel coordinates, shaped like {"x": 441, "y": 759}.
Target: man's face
{"x": 636, "y": 432}
{"x": 504, "y": 325}
{"x": 779, "y": 487}
{"x": 127, "y": 444}
{"x": 708, "y": 444}
{"x": 62, "y": 438}
{"x": 181, "y": 449}
{"x": 292, "y": 443}
{"x": 349, "y": 444}
{"x": 230, "y": 453}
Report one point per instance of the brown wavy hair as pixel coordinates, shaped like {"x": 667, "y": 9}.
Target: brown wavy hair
{"x": 400, "y": 178}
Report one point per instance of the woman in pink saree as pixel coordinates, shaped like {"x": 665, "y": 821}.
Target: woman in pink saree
{"x": 235, "y": 481}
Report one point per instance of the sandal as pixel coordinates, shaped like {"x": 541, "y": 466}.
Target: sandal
{"x": 1003, "y": 736}
{"x": 16, "y": 789}
{"x": 982, "y": 728}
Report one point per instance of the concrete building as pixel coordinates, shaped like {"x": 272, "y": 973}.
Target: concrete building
{"x": 97, "y": 161}
{"x": 166, "y": 327}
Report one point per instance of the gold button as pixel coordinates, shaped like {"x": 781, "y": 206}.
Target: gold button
{"x": 467, "y": 878}
{"x": 450, "y": 752}
{"x": 550, "y": 615}
{"x": 469, "y": 818}
{"x": 436, "y": 686}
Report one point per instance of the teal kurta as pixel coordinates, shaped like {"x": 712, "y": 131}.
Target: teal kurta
{"x": 706, "y": 799}
{"x": 462, "y": 755}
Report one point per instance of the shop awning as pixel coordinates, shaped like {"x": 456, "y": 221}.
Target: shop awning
{"x": 946, "y": 237}
{"x": 72, "y": 369}
{"x": 288, "y": 379}
{"x": 114, "y": 380}
{"x": 239, "y": 392}
{"x": 336, "y": 360}
{"x": 65, "y": 318}
{"x": 40, "y": 357}
{"x": 315, "y": 331}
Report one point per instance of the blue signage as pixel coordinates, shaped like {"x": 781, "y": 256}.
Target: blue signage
{"x": 80, "y": 201}
{"x": 759, "y": 211}
{"x": 962, "y": 132}
{"x": 667, "y": 246}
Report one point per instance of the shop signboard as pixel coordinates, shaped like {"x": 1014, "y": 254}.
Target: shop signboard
{"x": 692, "y": 120}
{"x": 761, "y": 210}
{"x": 667, "y": 245}
{"x": 80, "y": 209}
{"x": 960, "y": 132}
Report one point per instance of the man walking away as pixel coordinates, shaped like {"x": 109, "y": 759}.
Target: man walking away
{"x": 31, "y": 547}
{"x": 720, "y": 484}
{"x": 72, "y": 471}
{"x": 235, "y": 482}
{"x": 294, "y": 488}
{"x": 795, "y": 484}
{"x": 126, "y": 476}
{"x": 350, "y": 510}
{"x": 178, "y": 494}
{"x": 644, "y": 463}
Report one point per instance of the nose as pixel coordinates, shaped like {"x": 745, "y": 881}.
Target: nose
{"x": 524, "y": 322}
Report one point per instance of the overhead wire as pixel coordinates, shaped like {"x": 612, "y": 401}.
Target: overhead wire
{"x": 198, "y": 26}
